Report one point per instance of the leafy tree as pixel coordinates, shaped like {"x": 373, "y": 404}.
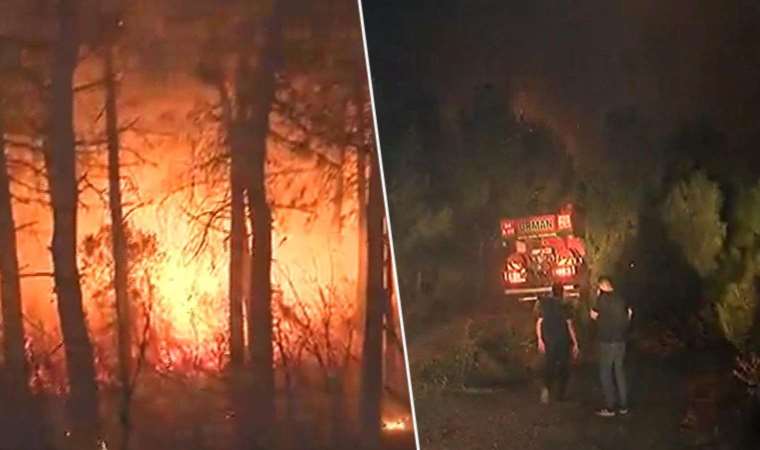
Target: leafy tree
{"x": 736, "y": 311}
{"x": 611, "y": 219}
{"x": 421, "y": 224}
{"x": 726, "y": 262}
{"x": 744, "y": 247}
{"x": 691, "y": 213}
{"x": 745, "y": 220}
{"x": 615, "y": 177}
{"x": 446, "y": 204}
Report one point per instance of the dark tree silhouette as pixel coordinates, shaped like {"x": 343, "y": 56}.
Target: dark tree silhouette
{"x": 361, "y": 227}
{"x": 256, "y": 92}
{"x": 211, "y": 71}
{"x": 372, "y": 348}
{"x": 10, "y": 293}
{"x": 60, "y": 159}
{"x": 239, "y": 239}
{"x": 118, "y": 241}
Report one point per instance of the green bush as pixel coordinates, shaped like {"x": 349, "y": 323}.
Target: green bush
{"x": 736, "y": 311}
{"x": 502, "y": 340}
{"x": 489, "y": 354}
{"x": 449, "y": 371}
{"x": 691, "y": 215}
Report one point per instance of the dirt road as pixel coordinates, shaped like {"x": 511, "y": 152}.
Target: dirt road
{"x": 686, "y": 401}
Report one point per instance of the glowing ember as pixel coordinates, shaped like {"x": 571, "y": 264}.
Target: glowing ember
{"x": 399, "y": 424}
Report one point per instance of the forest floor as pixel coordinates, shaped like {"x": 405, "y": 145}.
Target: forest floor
{"x": 687, "y": 400}
{"x": 172, "y": 413}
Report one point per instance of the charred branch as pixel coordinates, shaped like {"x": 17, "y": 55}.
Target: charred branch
{"x": 37, "y": 275}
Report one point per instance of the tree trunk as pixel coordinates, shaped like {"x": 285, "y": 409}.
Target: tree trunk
{"x": 237, "y": 252}
{"x": 238, "y": 235}
{"x": 337, "y": 218}
{"x": 64, "y": 194}
{"x": 27, "y": 420}
{"x": 372, "y": 350}
{"x": 118, "y": 235}
{"x": 118, "y": 246}
{"x": 10, "y": 286}
{"x": 361, "y": 227}
{"x": 394, "y": 347}
{"x": 261, "y": 82}
{"x": 246, "y": 276}
{"x": 260, "y": 301}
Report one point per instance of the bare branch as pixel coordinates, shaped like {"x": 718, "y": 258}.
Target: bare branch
{"x": 25, "y": 225}
{"x": 28, "y": 186}
{"x": 36, "y": 275}
{"x": 101, "y": 142}
{"x": 26, "y": 165}
{"x": 88, "y": 86}
{"x": 134, "y": 208}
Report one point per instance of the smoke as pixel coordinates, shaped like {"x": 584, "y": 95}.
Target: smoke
{"x": 569, "y": 62}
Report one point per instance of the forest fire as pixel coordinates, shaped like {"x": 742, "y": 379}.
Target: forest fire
{"x": 179, "y": 276}
{"x": 176, "y": 199}
{"x": 184, "y": 292}
{"x": 195, "y": 211}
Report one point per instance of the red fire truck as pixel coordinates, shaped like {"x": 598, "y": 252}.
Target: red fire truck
{"x": 543, "y": 250}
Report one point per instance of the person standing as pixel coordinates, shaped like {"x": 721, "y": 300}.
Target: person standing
{"x": 556, "y": 340}
{"x": 613, "y": 316}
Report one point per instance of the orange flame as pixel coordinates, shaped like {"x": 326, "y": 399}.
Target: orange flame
{"x": 180, "y": 291}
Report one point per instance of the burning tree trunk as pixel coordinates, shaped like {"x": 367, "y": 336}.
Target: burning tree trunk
{"x": 372, "y": 350}
{"x": 64, "y": 194}
{"x": 256, "y": 96}
{"x": 10, "y": 293}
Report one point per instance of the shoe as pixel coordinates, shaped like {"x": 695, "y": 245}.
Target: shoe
{"x": 604, "y": 412}
{"x": 623, "y": 411}
{"x": 544, "y": 396}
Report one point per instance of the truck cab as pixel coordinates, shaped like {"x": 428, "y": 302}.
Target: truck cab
{"x": 542, "y": 250}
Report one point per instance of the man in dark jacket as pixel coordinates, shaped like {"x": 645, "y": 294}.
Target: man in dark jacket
{"x": 556, "y": 340}
{"x": 612, "y": 315}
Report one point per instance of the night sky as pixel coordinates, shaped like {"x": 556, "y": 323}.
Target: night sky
{"x": 567, "y": 63}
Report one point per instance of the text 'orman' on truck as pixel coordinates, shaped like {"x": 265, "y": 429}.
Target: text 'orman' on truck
{"x": 543, "y": 250}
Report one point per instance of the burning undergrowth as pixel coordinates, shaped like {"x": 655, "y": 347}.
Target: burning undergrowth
{"x": 180, "y": 312}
